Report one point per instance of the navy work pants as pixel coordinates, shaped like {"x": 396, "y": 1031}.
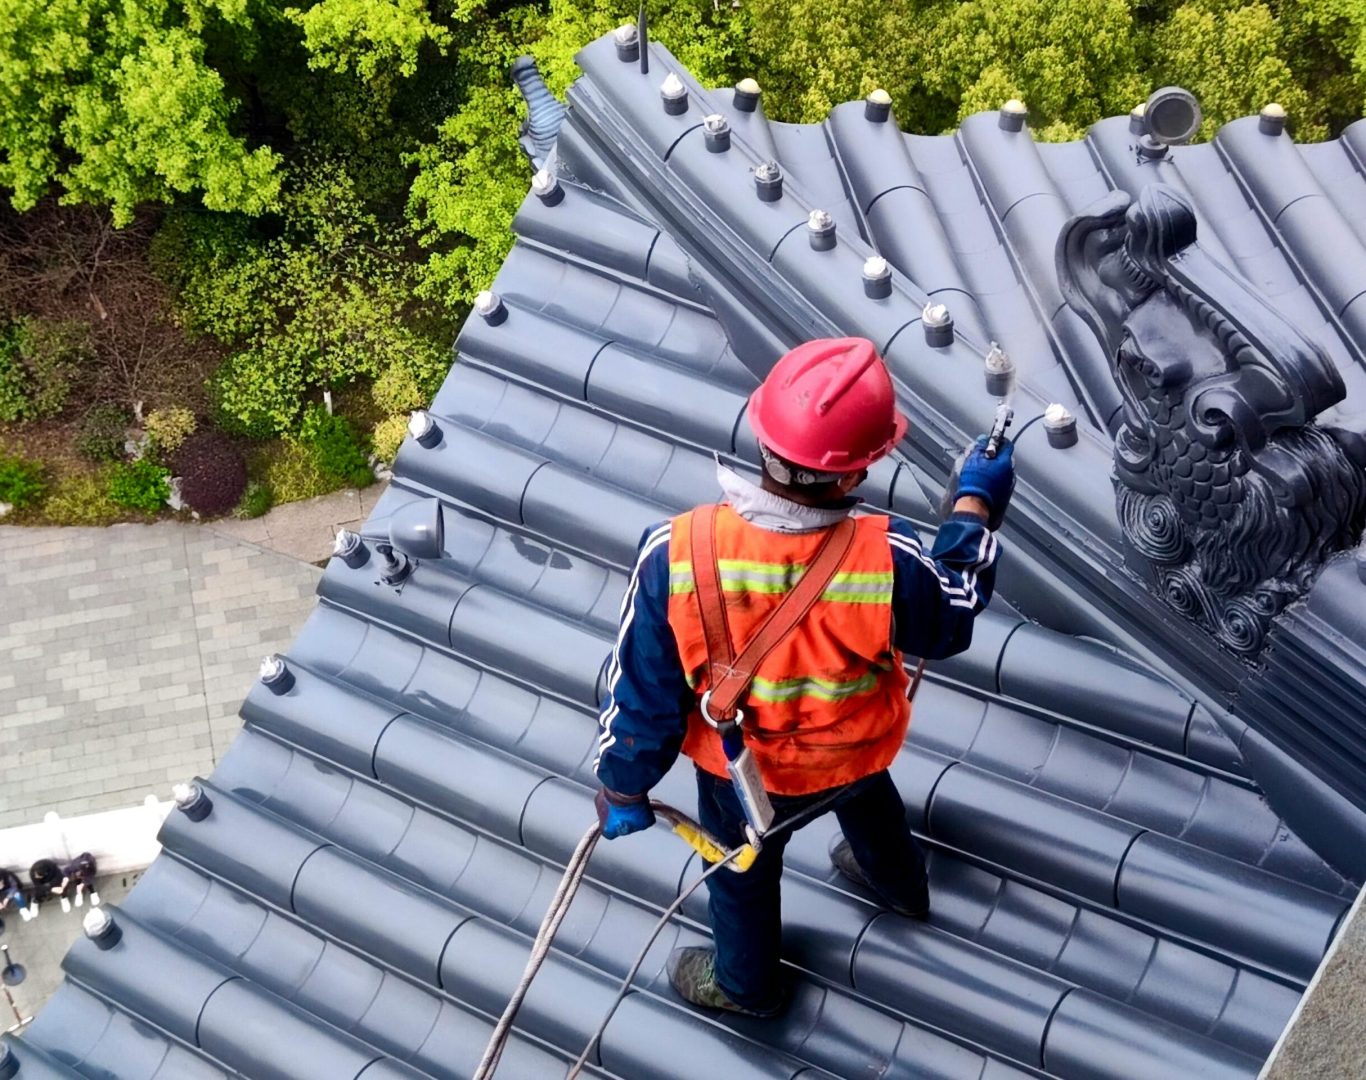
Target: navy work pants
{"x": 746, "y": 909}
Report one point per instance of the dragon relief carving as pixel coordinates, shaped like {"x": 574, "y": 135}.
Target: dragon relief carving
{"x": 1226, "y": 486}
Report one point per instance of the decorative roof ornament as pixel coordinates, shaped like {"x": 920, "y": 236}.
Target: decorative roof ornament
{"x": 1228, "y": 491}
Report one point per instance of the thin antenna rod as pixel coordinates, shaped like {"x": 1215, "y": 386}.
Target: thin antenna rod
{"x": 644, "y": 34}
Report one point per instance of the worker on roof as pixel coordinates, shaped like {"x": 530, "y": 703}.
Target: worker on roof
{"x": 827, "y": 707}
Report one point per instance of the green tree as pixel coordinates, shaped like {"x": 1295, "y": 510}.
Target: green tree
{"x": 114, "y": 103}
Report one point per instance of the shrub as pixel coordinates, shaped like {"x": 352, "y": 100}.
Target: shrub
{"x": 21, "y": 482}
{"x": 102, "y": 432}
{"x": 81, "y": 499}
{"x": 397, "y": 389}
{"x": 170, "y": 427}
{"x": 37, "y": 360}
{"x": 256, "y": 501}
{"x": 336, "y": 449}
{"x": 388, "y": 436}
{"x": 288, "y": 468}
{"x": 212, "y": 473}
{"x": 140, "y": 485}
{"x": 257, "y": 392}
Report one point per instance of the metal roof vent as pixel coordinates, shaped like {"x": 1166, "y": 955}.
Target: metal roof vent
{"x": 490, "y": 307}
{"x": 1172, "y": 116}
{"x": 938, "y": 325}
{"x": 674, "y": 94}
{"x": 716, "y": 133}
{"x": 1271, "y": 121}
{"x": 768, "y": 181}
{"x": 1012, "y": 116}
{"x": 546, "y": 187}
{"x": 820, "y": 229}
{"x": 544, "y": 113}
{"x": 627, "y": 40}
{"x": 877, "y": 106}
{"x": 746, "y": 97}
{"x": 1060, "y": 426}
{"x": 877, "y": 278}
{"x": 275, "y": 674}
{"x": 423, "y": 428}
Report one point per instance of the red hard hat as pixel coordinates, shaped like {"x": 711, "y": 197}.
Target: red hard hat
{"x": 828, "y": 405}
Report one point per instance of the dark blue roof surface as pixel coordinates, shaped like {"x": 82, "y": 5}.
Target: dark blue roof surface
{"x": 1114, "y": 896}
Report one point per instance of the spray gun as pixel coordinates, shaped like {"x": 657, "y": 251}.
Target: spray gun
{"x": 999, "y": 370}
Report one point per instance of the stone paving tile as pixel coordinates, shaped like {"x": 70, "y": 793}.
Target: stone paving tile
{"x": 304, "y": 529}
{"x": 124, "y": 656}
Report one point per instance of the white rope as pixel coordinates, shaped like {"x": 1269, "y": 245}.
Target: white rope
{"x": 540, "y": 949}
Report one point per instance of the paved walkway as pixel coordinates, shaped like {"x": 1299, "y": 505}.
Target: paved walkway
{"x": 304, "y": 529}
{"x": 125, "y": 653}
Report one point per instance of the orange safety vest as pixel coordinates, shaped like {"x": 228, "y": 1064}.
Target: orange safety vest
{"x": 828, "y": 706}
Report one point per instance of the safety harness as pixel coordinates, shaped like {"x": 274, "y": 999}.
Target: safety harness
{"x": 730, "y": 674}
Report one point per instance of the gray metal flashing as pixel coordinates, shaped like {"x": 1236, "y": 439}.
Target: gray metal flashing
{"x": 1114, "y": 895}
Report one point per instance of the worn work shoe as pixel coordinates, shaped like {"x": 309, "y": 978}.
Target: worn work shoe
{"x": 842, "y": 855}
{"x": 692, "y": 973}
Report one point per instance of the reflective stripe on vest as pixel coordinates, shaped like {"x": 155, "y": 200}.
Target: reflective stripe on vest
{"x": 742, "y": 575}
{"x": 826, "y": 707}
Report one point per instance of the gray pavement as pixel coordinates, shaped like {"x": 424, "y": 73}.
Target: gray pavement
{"x": 124, "y": 656}
{"x": 304, "y": 529}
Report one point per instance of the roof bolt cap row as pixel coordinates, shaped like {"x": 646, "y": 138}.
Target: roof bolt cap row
{"x": 1060, "y": 425}
{"x": 191, "y": 800}
{"x": 716, "y": 133}
{"x": 1012, "y": 115}
{"x": 674, "y": 94}
{"x": 768, "y": 181}
{"x": 347, "y": 547}
{"x": 938, "y": 325}
{"x": 275, "y": 674}
{"x": 490, "y": 307}
{"x": 1138, "y": 120}
{"x": 423, "y": 428}
{"x": 627, "y": 40}
{"x": 877, "y": 278}
{"x": 99, "y": 927}
{"x": 1271, "y": 121}
{"x": 746, "y": 98}
{"x": 546, "y": 187}
{"x": 1000, "y": 371}
{"x": 877, "y": 106}
{"x": 820, "y": 230}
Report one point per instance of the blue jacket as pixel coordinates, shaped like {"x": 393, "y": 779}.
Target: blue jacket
{"x": 644, "y": 717}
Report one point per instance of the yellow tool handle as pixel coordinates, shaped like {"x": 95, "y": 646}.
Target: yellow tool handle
{"x": 702, "y": 841}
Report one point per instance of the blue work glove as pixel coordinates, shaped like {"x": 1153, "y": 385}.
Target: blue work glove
{"x": 621, "y": 815}
{"x": 990, "y": 479}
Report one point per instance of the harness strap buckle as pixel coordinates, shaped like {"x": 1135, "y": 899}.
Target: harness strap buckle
{"x": 722, "y": 726}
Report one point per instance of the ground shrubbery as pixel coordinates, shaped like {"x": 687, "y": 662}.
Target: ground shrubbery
{"x": 21, "y": 482}
{"x": 212, "y": 471}
{"x": 140, "y": 485}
